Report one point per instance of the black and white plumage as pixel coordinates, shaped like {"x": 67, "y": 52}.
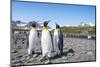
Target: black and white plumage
{"x": 33, "y": 39}
{"x": 46, "y": 41}
{"x": 58, "y": 40}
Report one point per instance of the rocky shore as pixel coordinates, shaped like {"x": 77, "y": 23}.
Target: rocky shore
{"x": 74, "y": 50}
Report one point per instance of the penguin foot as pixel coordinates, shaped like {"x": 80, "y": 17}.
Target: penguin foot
{"x": 33, "y": 52}
{"x": 61, "y": 53}
{"x": 48, "y": 60}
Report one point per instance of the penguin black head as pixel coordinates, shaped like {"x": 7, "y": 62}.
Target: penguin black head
{"x": 57, "y": 26}
{"x": 46, "y": 23}
{"x": 33, "y": 24}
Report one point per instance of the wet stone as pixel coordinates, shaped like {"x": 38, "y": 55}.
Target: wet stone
{"x": 19, "y": 56}
{"x": 17, "y": 64}
{"x": 83, "y": 51}
{"x": 13, "y": 51}
{"x": 89, "y": 53}
{"x": 35, "y": 55}
{"x": 70, "y": 55}
{"x": 16, "y": 61}
{"x": 47, "y": 62}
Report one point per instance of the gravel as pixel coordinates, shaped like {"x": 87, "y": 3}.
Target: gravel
{"x": 81, "y": 50}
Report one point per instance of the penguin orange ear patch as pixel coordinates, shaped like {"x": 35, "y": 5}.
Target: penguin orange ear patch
{"x": 33, "y": 29}
{"x": 45, "y": 29}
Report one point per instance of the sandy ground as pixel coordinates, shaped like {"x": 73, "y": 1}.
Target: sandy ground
{"x": 74, "y": 50}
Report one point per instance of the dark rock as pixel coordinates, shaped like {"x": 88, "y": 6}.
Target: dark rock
{"x": 14, "y": 51}
{"x": 71, "y": 51}
{"x": 19, "y": 56}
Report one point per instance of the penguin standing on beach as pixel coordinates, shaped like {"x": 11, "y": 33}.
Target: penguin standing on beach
{"x": 32, "y": 39}
{"x": 58, "y": 40}
{"x": 46, "y": 41}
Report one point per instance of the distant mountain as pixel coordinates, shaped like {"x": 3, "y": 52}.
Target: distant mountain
{"x": 19, "y": 24}
{"x": 13, "y": 24}
{"x": 86, "y": 24}
{"x": 81, "y": 24}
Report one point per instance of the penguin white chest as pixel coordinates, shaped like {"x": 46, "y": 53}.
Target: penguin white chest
{"x": 46, "y": 43}
{"x": 32, "y": 40}
{"x": 56, "y": 34}
{"x": 55, "y": 40}
{"x": 33, "y": 35}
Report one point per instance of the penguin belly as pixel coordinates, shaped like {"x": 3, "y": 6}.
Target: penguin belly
{"x": 55, "y": 41}
{"x": 46, "y": 43}
{"x": 32, "y": 41}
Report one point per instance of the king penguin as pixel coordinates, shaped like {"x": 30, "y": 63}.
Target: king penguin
{"x": 58, "y": 40}
{"x": 46, "y": 41}
{"x": 32, "y": 39}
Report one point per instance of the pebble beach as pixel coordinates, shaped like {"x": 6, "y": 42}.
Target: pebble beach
{"x": 74, "y": 50}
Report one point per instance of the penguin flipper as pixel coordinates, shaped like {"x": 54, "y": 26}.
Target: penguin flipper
{"x": 60, "y": 41}
{"x": 52, "y": 40}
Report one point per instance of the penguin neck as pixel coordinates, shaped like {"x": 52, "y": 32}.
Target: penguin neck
{"x": 33, "y": 28}
{"x": 57, "y": 29}
{"x": 45, "y": 28}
